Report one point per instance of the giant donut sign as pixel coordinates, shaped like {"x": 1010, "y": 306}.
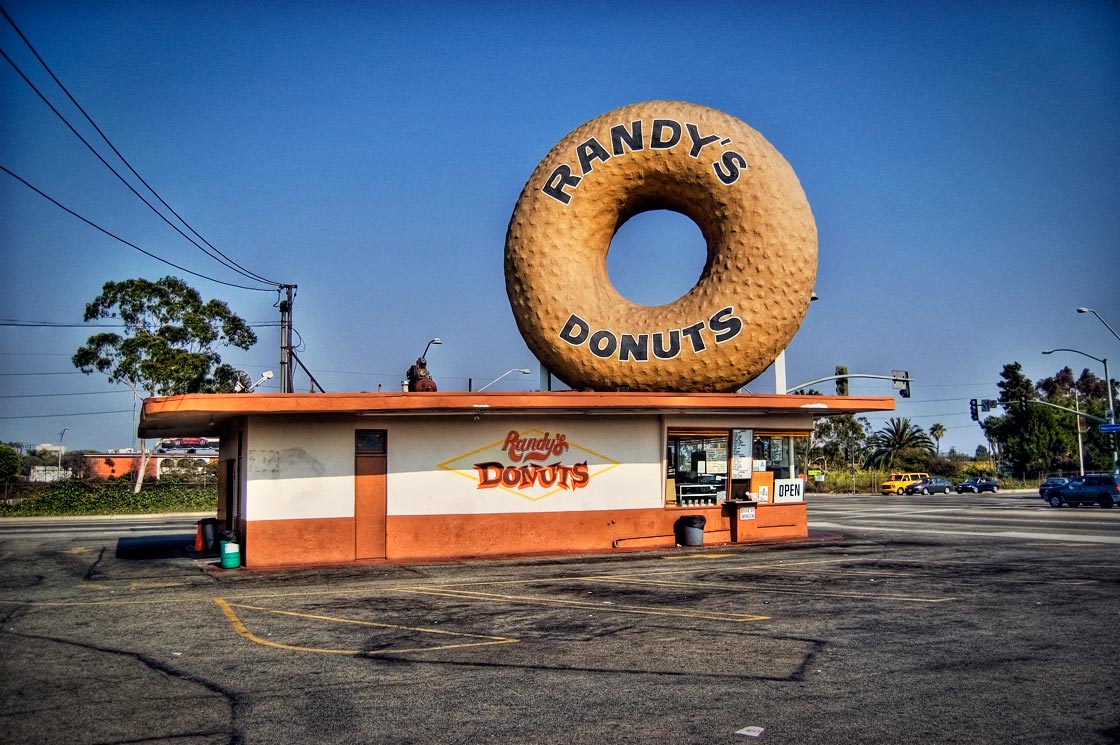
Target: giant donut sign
{"x": 745, "y": 198}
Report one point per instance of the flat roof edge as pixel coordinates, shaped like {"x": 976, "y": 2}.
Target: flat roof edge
{"x": 199, "y": 413}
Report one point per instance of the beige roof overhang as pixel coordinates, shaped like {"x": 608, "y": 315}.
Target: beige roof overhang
{"x": 201, "y": 414}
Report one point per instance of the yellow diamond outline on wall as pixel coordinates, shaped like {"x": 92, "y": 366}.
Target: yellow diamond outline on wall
{"x": 455, "y": 465}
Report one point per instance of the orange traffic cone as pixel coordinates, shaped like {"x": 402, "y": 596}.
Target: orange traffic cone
{"x": 199, "y": 545}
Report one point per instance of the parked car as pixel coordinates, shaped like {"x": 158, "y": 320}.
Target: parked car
{"x": 976, "y": 485}
{"x": 930, "y": 485}
{"x": 1054, "y": 482}
{"x": 1102, "y": 489}
{"x": 898, "y": 482}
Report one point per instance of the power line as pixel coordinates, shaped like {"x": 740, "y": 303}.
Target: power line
{"x": 52, "y": 395}
{"x": 92, "y": 224}
{"x": 55, "y": 416}
{"x": 53, "y": 325}
{"x": 106, "y": 164}
{"x": 224, "y": 260}
{"x": 68, "y": 325}
{"x": 33, "y": 354}
{"x": 12, "y": 375}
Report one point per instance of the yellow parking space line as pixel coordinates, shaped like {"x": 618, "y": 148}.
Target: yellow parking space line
{"x": 697, "y": 556}
{"x": 243, "y": 631}
{"x": 153, "y": 585}
{"x": 629, "y": 580}
{"x": 603, "y": 607}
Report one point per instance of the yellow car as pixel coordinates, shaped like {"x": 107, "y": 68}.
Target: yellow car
{"x": 898, "y": 482}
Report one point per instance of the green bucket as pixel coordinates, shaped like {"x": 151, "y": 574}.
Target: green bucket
{"x": 231, "y": 555}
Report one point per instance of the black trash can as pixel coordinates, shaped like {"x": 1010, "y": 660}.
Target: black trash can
{"x": 690, "y": 530}
{"x": 209, "y": 533}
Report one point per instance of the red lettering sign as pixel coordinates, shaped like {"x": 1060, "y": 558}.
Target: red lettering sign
{"x": 520, "y": 448}
{"x": 493, "y": 474}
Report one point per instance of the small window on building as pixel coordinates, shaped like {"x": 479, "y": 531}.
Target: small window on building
{"x": 369, "y": 441}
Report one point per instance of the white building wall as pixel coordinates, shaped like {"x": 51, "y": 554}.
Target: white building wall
{"x": 300, "y": 470}
{"x": 433, "y": 465}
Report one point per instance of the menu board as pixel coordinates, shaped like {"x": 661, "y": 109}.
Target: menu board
{"x": 741, "y": 442}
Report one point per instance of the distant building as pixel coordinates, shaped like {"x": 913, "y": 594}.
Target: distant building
{"x": 118, "y": 463}
{"x": 46, "y": 474}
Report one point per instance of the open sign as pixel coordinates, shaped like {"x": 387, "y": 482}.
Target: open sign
{"x": 789, "y": 490}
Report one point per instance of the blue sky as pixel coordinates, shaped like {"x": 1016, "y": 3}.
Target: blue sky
{"x": 961, "y": 162}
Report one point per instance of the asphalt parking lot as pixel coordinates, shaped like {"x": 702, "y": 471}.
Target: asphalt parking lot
{"x": 875, "y": 638}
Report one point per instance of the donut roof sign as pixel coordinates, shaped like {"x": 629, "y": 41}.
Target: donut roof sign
{"x": 751, "y": 296}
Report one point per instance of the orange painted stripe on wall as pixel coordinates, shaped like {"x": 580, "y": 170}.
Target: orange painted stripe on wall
{"x": 325, "y": 540}
{"x": 416, "y": 537}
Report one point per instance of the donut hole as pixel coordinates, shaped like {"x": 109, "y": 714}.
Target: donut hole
{"x": 656, "y": 257}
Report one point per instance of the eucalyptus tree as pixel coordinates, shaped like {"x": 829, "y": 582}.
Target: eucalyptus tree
{"x": 1088, "y": 395}
{"x": 169, "y": 341}
{"x": 1031, "y": 437}
{"x": 840, "y": 440}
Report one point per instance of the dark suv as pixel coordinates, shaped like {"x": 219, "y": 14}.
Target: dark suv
{"x": 1053, "y": 483}
{"x": 1102, "y": 489}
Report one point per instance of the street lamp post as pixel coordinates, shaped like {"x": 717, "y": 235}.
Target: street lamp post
{"x": 1098, "y": 315}
{"x": 522, "y": 370}
{"x": 1107, "y": 388}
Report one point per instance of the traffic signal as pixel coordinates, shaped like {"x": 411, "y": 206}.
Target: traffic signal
{"x": 841, "y": 380}
{"x": 902, "y": 382}
{"x": 972, "y": 410}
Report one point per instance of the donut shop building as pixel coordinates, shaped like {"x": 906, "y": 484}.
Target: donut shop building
{"x": 346, "y": 477}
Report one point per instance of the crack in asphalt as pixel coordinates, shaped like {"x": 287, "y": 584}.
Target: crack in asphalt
{"x": 234, "y": 700}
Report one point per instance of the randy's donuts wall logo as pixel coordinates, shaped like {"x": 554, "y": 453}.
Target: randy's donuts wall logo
{"x": 532, "y": 464}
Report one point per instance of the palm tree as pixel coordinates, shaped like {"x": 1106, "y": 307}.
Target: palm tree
{"x": 897, "y": 437}
{"x": 937, "y": 431}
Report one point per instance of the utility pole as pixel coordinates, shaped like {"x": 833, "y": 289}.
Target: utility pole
{"x": 1077, "y": 426}
{"x": 58, "y": 473}
{"x": 287, "y": 384}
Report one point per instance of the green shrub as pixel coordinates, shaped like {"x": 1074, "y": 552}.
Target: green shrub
{"x": 76, "y": 497}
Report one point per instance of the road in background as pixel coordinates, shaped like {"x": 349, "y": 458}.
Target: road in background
{"x": 917, "y": 618}
{"x": 1017, "y": 515}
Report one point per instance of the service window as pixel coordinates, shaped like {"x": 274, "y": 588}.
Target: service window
{"x": 782, "y": 453}
{"x": 696, "y": 467}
